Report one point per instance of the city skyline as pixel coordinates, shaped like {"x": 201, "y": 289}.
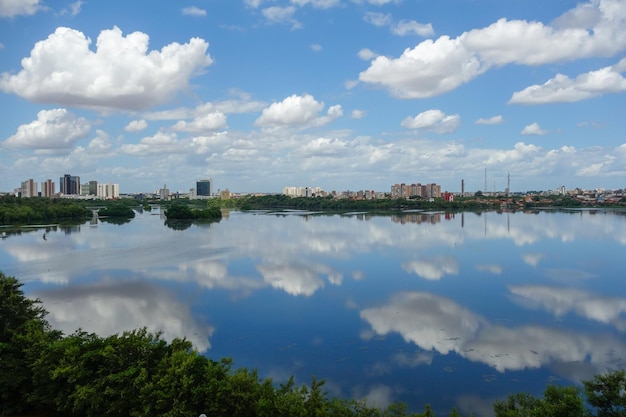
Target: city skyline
{"x": 340, "y": 94}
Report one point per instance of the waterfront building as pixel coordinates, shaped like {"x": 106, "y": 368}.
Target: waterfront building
{"x": 69, "y": 185}
{"x": 47, "y": 188}
{"x": 28, "y": 188}
{"x": 204, "y": 188}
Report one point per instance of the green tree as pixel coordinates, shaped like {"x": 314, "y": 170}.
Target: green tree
{"x": 607, "y": 393}
{"x": 24, "y": 332}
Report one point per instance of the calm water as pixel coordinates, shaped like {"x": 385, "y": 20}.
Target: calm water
{"x": 425, "y": 307}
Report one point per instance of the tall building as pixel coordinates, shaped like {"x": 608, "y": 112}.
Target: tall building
{"x": 204, "y": 188}
{"x": 93, "y": 187}
{"x": 29, "y": 188}
{"x": 47, "y": 188}
{"x": 69, "y": 185}
{"x": 108, "y": 191}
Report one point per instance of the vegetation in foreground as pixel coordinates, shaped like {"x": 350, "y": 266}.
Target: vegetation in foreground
{"x": 136, "y": 373}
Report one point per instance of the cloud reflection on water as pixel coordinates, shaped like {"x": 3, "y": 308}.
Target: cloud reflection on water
{"x": 439, "y": 324}
{"x": 112, "y": 307}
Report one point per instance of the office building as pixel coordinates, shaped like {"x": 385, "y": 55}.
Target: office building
{"x": 69, "y": 185}
{"x": 204, "y": 188}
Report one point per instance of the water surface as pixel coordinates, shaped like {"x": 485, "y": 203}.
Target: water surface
{"x": 447, "y": 309}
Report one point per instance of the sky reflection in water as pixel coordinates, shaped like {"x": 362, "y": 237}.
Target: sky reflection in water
{"x": 424, "y": 307}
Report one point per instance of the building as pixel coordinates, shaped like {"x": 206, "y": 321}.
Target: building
{"x": 69, "y": 185}
{"x": 204, "y": 188}
{"x": 29, "y": 188}
{"x": 108, "y": 191}
{"x": 47, "y": 188}
{"x": 164, "y": 193}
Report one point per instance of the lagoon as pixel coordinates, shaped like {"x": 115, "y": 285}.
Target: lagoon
{"x": 421, "y": 307}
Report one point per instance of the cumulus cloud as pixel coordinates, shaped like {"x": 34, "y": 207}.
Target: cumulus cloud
{"x": 534, "y": 129}
{"x": 495, "y": 120}
{"x": 277, "y": 14}
{"x": 136, "y": 126}
{"x": 434, "y": 120}
{"x": 434, "y": 67}
{"x": 561, "y": 88}
{"x": 411, "y": 27}
{"x": 193, "y": 11}
{"x": 298, "y": 111}
{"x": 210, "y": 121}
{"x": 120, "y": 74}
{"x": 12, "y": 8}
{"x": 429, "y": 69}
{"x": 74, "y": 8}
{"x": 367, "y": 54}
{"x": 358, "y": 114}
{"x": 318, "y": 4}
{"x": 316, "y": 47}
{"x": 158, "y": 144}
{"x": 53, "y": 129}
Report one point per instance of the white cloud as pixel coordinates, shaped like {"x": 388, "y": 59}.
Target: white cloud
{"x": 193, "y": 11}
{"x": 378, "y": 19}
{"x": 434, "y": 120}
{"x": 358, "y": 114}
{"x": 434, "y": 67}
{"x": 316, "y": 47}
{"x": 277, "y": 14}
{"x": 74, "y": 8}
{"x": 136, "y": 126}
{"x": 367, "y": 54}
{"x": 429, "y": 69}
{"x": 561, "y": 88}
{"x": 318, "y": 4}
{"x": 495, "y": 120}
{"x": 406, "y": 27}
{"x": 12, "y": 8}
{"x": 534, "y": 129}
{"x": 297, "y": 111}
{"x": 158, "y": 144}
{"x": 53, "y": 129}
{"x": 209, "y": 121}
{"x": 401, "y": 28}
{"x": 121, "y": 74}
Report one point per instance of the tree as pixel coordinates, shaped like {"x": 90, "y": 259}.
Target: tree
{"x": 24, "y": 332}
{"x": 607, "y": 393}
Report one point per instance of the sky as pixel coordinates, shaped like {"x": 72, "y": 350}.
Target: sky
{"x": 339, "y": 94}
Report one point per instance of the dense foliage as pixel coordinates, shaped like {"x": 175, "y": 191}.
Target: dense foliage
{"x": 180, "y": 211}
{"x": 278, "y": 201}
{"x": 117, "y": 210}
{"x": 136, "y": 373}
{"x": 17, "y": 210}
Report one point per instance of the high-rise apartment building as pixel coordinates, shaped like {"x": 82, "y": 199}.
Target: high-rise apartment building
{"x": 108, "y": 191}
{"x": 47, "y": 188}
{"x": 204, "y": 188}
{"x": 29, "y": 188}
{"x": 69, "y": 185}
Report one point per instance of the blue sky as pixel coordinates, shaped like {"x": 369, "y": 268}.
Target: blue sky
{"x": 340, "y": 94}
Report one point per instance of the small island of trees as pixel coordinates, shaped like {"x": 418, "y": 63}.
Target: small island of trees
{"x": 45, "y": 373}
{"x": 120, "y": 211}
